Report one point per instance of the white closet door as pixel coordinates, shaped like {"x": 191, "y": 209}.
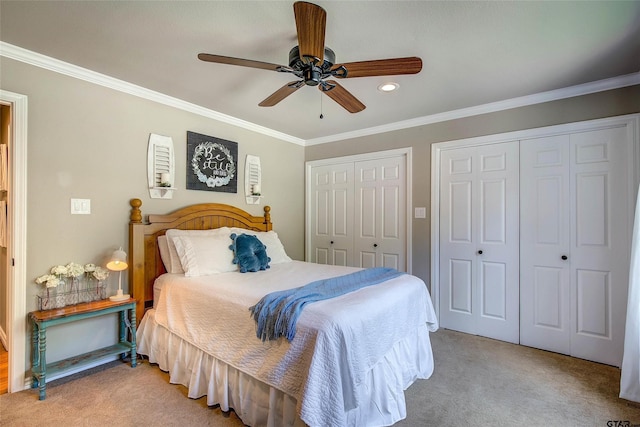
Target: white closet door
{"x": 380, "y": 213}
{"x": 600, "y": 243}
{"x": 575, "y": 243}
{"x": 332, "y": 214}
{"x": 479, "y": 281}
{"x": 545, "y": 235}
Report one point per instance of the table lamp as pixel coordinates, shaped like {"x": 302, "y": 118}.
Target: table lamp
{"x": 118, "y": 263}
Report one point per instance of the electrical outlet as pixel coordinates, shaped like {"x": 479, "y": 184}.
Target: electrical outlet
{"x": 420, "y": 213}
{"x": 80, "y": 206}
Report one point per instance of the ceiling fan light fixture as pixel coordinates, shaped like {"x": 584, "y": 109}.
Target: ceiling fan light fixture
{"x": 388, "y": 87}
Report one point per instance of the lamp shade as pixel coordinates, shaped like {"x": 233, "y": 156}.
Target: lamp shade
{"x": 118, "y": 261}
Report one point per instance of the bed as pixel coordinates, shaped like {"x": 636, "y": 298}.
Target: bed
{"x": 352, "y": 356}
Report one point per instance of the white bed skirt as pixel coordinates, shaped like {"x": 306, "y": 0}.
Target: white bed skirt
{"x": 258, "y": 404}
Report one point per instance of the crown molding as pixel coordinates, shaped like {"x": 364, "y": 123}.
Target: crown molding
{"x": 538, "y": 98}
{"x": 19, "y": 54}
{"x": 23, "y": 55}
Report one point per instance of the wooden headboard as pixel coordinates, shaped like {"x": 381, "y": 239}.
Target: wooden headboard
{"x": 146, "y": 264}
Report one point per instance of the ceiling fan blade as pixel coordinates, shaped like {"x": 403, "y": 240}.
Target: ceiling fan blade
{"x": 219, "y": 59}
{"x": 382, "y": 67}
{"x": 281, "y": 94}
{"x": 311, "y": 21}
{"x": 342, "y": 97}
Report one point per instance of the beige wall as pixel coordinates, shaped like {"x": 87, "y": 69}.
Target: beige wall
{"x": 594, "y": 106}
{"x": 87, "y": 141}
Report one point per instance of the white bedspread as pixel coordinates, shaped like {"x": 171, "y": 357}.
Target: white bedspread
{"x": 337, "y": 341}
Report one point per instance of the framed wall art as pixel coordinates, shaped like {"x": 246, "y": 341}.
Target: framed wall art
{"x": 212, "y": 163}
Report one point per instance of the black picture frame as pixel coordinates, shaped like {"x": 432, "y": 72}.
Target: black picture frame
{"x": 212, "y": 163}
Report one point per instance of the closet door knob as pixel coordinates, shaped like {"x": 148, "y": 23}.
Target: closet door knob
{"x": 480, "y": 252}
{"x": 332, "y": 242}
{"x": 375, "y": 245}
{"x": 564, "y": 257}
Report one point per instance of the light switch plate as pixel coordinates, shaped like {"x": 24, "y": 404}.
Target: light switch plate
{"x": 80, "y": 206}
{"x": 420, "y": 212}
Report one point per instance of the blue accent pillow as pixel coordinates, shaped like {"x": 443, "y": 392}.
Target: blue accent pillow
{"x": 249, "y": 253}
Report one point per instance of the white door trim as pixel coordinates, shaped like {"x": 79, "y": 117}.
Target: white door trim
{"x": 17, "y": 296}
{"x": 407, "y": 152}
{"x": 632, "y": 121}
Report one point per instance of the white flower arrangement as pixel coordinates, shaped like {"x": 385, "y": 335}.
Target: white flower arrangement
{"x": 59, "y": 270}
{"x": 75, "y": 283}
{"x": 49, "y": 280}
{"x": 74, "y": 270}
{"x": 101, "y": 274}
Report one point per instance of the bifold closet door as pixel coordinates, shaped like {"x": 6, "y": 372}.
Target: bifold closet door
{"x": 479, "y": 240}
{"x": 332, "y": 214}
{"x": 545, "y": 236}
{"x": 575, "y": 243}
{"x": 358, "y": 213}
{"x": 380, "y": 213}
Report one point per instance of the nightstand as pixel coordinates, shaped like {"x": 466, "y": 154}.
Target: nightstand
{"x": 43, "y": 319}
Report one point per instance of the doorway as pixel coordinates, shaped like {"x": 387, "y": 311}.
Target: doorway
{"x": 13, "y": 307}
{"x": 5, "y": 140}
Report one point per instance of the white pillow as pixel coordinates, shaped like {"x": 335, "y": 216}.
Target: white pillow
{"x": 275, "y": 248}
{"x": 204, "y": 255}
{"x": 175, "y": 265}
{"x": 163, "y": 245}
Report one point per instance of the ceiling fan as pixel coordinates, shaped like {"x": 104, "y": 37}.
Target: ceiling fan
{"x": 313, "y": 63}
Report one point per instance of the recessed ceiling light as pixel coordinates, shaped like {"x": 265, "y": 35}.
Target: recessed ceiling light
{"x": 388, "y": 87}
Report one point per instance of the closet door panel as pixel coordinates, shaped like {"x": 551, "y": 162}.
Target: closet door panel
{"x": 548, "y": 299}
{"x": 460, "y": 210}
{"x": 593, "y": 295}
{"x": 380, "y": 211}
{"x": 340, "y": 212}
{"x": 545, "y": 289}
{"x": 332, "y": 214}
{"x": 457, "y": 240}
{"x": 479, "y": 240}
{"x": 321, "y": 219}
{"x": 493, "y": 227}
{"x": 391, "y": 220}
{"x": 600, "y": 243}
{"x": 321, "y": 255}
{"x": 493, "y": 290}
{"x": 497, "y": 247}
{"x": 367, "y": 218}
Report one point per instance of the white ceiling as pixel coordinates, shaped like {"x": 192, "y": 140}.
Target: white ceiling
{"x": 473, "y": 53}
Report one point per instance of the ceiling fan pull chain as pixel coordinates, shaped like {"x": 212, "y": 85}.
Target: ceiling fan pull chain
{"x": 321, "y": 115}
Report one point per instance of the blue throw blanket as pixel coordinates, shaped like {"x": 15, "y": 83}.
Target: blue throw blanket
{"x": 277, "y": 313}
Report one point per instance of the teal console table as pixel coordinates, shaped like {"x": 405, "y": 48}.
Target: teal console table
{"x": 43, "y": 319}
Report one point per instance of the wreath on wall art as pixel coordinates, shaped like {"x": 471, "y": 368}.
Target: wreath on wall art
{"x": 212, "y": 163}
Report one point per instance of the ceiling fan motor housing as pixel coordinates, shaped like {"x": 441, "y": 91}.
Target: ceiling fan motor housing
{"x": 309, "y": 70}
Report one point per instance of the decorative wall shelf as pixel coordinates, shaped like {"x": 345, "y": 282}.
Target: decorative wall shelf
{"x": 162, "y": 191}
{"x": 252, "y": 180}
{"x": 160, "y": 166}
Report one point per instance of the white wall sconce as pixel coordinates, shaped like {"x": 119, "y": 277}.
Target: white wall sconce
{"x": 160, "y": 167}
{"x": 252, "y": 180}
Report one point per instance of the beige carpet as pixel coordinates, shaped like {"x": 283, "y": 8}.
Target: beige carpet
{"x": 477, "y": 382}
